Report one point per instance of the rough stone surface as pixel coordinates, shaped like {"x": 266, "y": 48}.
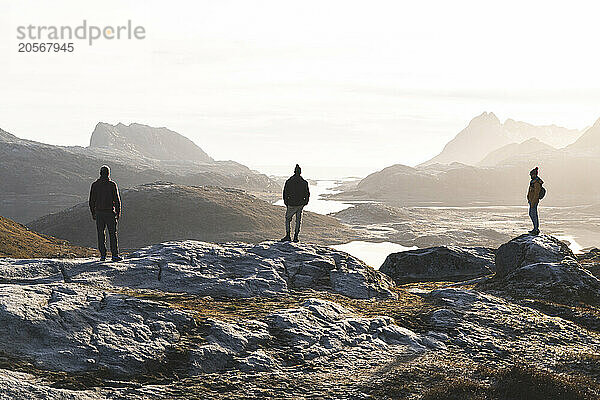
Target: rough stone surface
{"x": 218, "y": 270}
{"x": 318, "y": 332}
{"x": 541, "y": 268}
{"x": 439, "y": 264}
{"x": 490, "y": 328}
{"x": 90, "y": 325}
{"x": 71, "y": 328}
{"x": 18, "y": 385}
{"x": 591, "y": 261}
{"x": 530, "y": 249}
{"x": 560, "y": 282}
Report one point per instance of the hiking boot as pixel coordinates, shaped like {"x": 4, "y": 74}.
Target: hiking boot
{"x": 117, "y": 258}
{"x": 296, "y": 239}
{"x": 286, "y": 239}
{"x": 102, "y": 258}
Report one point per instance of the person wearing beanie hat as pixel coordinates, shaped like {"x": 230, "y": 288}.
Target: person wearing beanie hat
{"x": 105, "y": 206}
{"x": 295, "y": 197}
{"x": 533, "y": 198}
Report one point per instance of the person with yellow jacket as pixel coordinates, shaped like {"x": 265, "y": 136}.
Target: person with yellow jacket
{"x": 533, "y": 197}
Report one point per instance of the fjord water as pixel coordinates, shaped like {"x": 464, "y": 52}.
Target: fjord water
{"x": 317, "y": 203}
{"x": 374, "y": 253}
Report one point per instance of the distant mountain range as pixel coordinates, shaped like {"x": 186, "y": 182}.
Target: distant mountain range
{"x": 531, "y": 148}
{"x": 485, "y": 134}
{"x": 39, "y": 178}
{"x": 160, "y": 211}
{"x": 479, "y": 167}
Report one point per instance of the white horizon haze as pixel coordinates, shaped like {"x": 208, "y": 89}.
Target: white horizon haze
{"x": 339, "y": 85}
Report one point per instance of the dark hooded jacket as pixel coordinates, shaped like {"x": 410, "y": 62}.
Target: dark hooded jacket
{"x": 295, "y": 191}
{"x": 104, "y": 196}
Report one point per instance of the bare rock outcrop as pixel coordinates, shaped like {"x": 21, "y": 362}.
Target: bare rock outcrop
{"x": 315, "y": 333}
{"x": 66, "y": 327}
{"x": 542, "y": 268}
{"x": 19, "y": 385}
{"x": 489, "y": 328}
{"x": 218, "y": 270}
{"x": 529, "y": 249}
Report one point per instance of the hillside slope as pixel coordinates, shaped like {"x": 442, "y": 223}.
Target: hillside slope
{"x": 17, "y": 241}
{"x": 160, "y": 212}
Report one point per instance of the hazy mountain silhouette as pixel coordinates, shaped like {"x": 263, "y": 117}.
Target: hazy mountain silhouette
{"x": 531, "y": 148}
{"x": 589, "y": 142}
{"x": 485, "y": 134}
{"x": 156, "y": 143}
{"x": 501, "y": 177}
{"x": 553, "y": 135}
{"x": 39, "y": 178}
{"x": 160, "y": 211}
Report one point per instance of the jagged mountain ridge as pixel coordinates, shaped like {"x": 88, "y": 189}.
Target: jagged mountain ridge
{"x": 589, "y": 142}
{"x": 486, "y": 133}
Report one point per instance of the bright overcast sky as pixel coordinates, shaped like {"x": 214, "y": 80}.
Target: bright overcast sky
{"x": 349, "y": 85}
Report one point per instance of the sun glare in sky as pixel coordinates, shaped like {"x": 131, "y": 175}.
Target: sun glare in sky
{"x": 350, "y": 86}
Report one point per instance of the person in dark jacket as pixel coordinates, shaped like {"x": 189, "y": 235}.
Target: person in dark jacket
{"x": 533, "y": 198}
{"x": 295, "y": 197}
{"x": 105, "y": 206}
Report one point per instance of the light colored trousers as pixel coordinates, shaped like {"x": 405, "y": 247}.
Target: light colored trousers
{"x": 289, "y": 214}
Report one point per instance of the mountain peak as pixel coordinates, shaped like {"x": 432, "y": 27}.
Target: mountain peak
{"x": 486, "y": 116}
{"x": 157, "y": 143}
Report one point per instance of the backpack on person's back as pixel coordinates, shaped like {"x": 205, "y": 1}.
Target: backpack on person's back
{"x": 542, "y": 189}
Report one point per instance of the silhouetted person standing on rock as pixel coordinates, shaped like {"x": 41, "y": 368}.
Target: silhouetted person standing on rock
{"x": 295, "y": 197}
{"x": 534, "y": 194}
{"x": 105, "y": 206}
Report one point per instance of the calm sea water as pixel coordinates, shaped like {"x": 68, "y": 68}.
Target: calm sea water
{"x": 375, "y": 253}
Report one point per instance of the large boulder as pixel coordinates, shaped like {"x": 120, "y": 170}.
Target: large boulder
{"x": 530, "y": 249}
{"x": 541, "y": 267}
{"x": 217, "y": 270}
{"x": 439, "y": 264}
{"x": 563, "y": 282}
